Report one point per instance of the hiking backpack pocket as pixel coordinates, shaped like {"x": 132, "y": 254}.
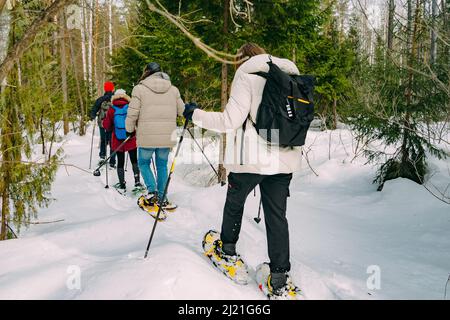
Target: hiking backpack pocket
{"x": 286, "y": 108}
{"x": 120, "y": 114}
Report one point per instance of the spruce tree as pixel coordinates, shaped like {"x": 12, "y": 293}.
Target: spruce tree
{"x": 29, "y": 115}
{"x": 399, "y": 95}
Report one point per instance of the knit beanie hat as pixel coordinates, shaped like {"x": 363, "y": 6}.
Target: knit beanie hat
{"x": 108, "y": 86}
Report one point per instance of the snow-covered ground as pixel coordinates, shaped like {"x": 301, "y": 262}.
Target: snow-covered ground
{"x": 346, "y": 238}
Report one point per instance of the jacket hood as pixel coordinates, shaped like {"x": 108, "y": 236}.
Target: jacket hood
{"x": 158, "y": 82}
{"x": 120, "y": 102}
{"x": 120, "y": 96}
{"x": 259, "y": 64}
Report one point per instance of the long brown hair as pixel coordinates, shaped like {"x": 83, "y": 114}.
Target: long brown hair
{"x": 145, "y": 74}
{"x": 248, "y": 50}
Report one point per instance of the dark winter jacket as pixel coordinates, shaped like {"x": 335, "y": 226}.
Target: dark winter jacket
{"x": 108, "y": 124}
{"x": 98, "y": 103}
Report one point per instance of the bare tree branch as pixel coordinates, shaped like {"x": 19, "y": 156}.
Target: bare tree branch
{"x": 211, "y": 52}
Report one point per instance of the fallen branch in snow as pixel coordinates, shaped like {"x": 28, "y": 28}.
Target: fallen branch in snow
{"x": 46, "y": 163}
{"x": 12, "y": 231}
{"x": 36, "y": 222}
{"x": 446, "y": 285}
{"x": 307, "y": 158}
{"x": 45, "y": 222}
{"x": 438, "y": 194}
{"x": 309, "y": 165}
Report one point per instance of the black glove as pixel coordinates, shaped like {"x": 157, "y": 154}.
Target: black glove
{"x": 131, "y": 134}
{"x": 189, "y": 110}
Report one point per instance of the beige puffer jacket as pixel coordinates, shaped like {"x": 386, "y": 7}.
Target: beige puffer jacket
{"x": 152, "y": 112}
{"x": 246, "y": 151}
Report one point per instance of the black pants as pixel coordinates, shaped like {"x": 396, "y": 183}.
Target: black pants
{"x": 121, "y": 163}
{"x": 274, "y": 193}
{"x": 105, "y": 140}
{"x": 121, "y": 158}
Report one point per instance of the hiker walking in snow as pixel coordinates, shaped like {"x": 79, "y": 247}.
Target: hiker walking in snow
{"x": 114, "y": 124}
{"x": 252, "y": 162}
{"x": 153, "y": 110}
{"x": 99, "y": 110}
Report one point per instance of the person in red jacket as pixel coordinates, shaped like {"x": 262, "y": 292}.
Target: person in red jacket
{"x": 121, "y": 100}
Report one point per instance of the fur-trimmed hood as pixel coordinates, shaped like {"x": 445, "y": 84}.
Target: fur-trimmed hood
{"x": 120, "y": 94}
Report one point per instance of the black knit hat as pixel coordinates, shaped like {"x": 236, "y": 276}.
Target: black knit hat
{"x": 153, "y": 67}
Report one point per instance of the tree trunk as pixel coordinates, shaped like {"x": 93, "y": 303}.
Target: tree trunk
{"x": 335, "y": 115}
{"x": 2, "y": 5}
{"x": 82, "y": 131}
{"x": 224, "y": 92}
{"x": 62, "y": 33}
{"x": 390, "y": 34}
{"x": 5, "y": 208}
{"x": 4, "y": 185}
{"x": 95, "y": 49}
{"x": 90, "y": 45}
{"x": 433, "y": 47}
{"x": 41, "y": 130}
{"x": 83, "y": 43}
{"x": 7, "y": 142}
{"x": 110, "y": 30}
{"x": 412, "y": 37}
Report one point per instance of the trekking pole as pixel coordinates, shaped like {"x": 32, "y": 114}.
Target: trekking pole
{"x": 203, "y": 152}
{"x": 107, "y": 185}
{"x": 97, "y": 171}
{"x": 258, "y": 219}
{"x": 126, "y": 162}
{"x": 172, "y": 168}
{"x": 92, "y": 145}
{"x": 155, "y": 172}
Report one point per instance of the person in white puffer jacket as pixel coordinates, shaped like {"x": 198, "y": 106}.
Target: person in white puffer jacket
{"x": 251, "y": 161}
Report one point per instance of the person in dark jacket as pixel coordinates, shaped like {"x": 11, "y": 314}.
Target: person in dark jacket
{"x": 99, "y": 111}
{"x": 119, "y": 100}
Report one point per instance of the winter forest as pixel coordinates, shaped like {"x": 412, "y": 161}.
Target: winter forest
{"x": 372, "y": 197}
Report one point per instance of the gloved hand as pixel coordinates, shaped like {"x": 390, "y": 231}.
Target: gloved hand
{"x": 189, "y": 110}
{"x": 131, "y": 134}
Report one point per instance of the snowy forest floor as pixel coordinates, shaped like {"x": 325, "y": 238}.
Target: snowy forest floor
{"x": 340, "y": 228}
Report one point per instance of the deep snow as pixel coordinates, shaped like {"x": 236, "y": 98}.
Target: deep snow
{"x": 339, "y": 227}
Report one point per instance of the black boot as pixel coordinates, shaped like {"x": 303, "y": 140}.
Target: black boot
{"x": 278, "y": 281}
{"x": 121, "y": 175}
{"x": 229, "y": 248}
{"x": 137, "y": 175}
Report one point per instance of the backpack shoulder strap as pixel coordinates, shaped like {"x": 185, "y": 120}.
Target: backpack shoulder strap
{"x": 265, "y": 75}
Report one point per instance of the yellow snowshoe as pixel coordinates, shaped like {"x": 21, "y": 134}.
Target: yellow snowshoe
{"x": 288, "y": 292}
{"x": 231, "y": 266}
{"x": 151, "y": 208}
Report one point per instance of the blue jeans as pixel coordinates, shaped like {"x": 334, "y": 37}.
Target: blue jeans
{"x": 145, "y": 157}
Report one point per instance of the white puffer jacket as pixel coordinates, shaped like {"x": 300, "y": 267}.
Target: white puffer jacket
{"x": 256, "y": 155}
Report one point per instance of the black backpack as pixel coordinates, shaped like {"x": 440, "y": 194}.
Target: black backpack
{"x": 286, "y": 105}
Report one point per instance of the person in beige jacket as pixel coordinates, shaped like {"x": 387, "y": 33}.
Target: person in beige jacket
{"x": 152, "y": 115}
{"x": 251, "y": 161}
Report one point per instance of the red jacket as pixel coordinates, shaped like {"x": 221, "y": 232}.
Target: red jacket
{"x": 108, "y": 124}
